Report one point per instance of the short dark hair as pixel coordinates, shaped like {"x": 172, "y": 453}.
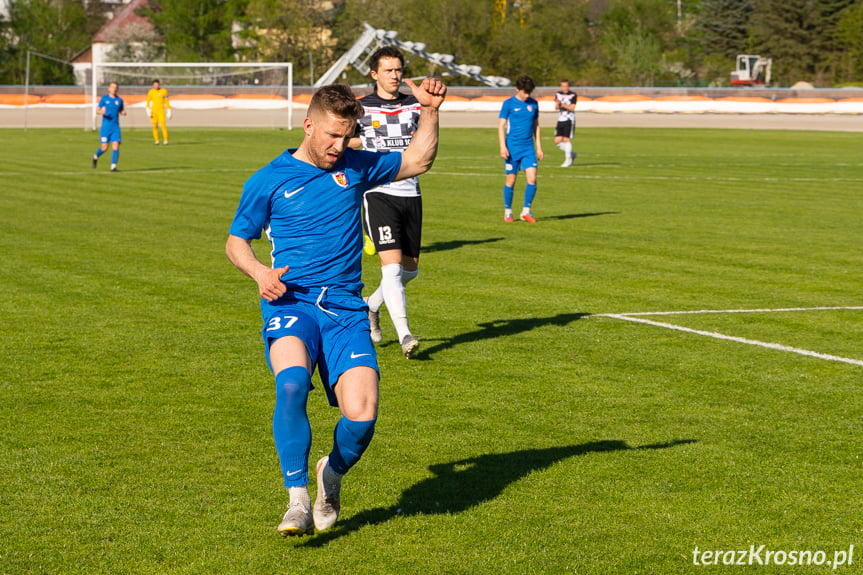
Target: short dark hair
{"x": 525, "y": 84}
{"x": 336, "y": 99}
{"x": 385, "y": 52}
{"x": 156, "y": 81}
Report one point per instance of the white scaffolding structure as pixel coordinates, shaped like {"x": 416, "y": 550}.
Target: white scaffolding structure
{"x": 373, "y": 38}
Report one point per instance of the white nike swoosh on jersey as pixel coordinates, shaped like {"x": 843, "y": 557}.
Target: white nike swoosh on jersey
{"x": 356, "y": 355}
{"x": 297, "y": 191}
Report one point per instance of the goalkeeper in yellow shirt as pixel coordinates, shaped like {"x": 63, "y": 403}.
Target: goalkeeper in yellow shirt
{"x": 158, "y": 107}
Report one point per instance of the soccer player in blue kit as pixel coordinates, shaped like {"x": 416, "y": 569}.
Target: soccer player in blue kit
{"x": 518, "y": 133}
{"x": 308, "y": 200}
{"x": 111, "y": 108}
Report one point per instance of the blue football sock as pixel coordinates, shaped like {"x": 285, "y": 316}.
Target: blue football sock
{"x": 350, "y": 440}
{"x": 529, "y": 193}
{"x": 114, "y": 155}
{"x": 291, "y": 428}
{"x": 507, "y": 197}
{"x": 99, "y": 152}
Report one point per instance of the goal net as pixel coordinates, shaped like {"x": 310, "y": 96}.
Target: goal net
{"x": 203, "y": 93}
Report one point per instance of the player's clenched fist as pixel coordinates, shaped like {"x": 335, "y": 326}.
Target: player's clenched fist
{"x": 431, "y": 92}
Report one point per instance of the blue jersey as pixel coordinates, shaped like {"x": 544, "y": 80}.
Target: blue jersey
{"x": 312, "y": 216}
{"x": 113, "y": 106}
{"x": 521, "y": 120}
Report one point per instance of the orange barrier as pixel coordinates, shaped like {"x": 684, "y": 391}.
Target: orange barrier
{"x": 19, "y": 99}
{"x": 303, "y": 99}
{"x": 552, "y": 99}
{"x": 68, "y": 99}
{"x": 807, "y": 101}
{"x": 744, "y": 99}
{"x": 632, "y": 98}
{"x": 256, "y": 97}
{"x": 184, "y": 97}
{"x": 490, "y": 99}
{"x": 130, "y": 99}
{"x": 851, "y": 100}
{"x": 684, "y": 99}
{"x": 457, "y": 99}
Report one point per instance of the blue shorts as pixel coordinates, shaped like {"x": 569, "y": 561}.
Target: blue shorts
{"x": 109, "y": 133}
{"x": 336, "y": 338}
{"x": 520, "y": 159}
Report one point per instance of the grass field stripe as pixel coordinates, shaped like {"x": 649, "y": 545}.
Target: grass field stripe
{"x": 716, "y": 335}
{"x": 765, "y": 310}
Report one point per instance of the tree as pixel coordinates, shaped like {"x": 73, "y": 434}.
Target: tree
{"x": 724, "y": 26}
{"x": 136, "y": 43}
{"x": 633, "y": 36}
{"x": 800, "y": 35}
{"x": 195, "y": 30}
{"x": 849, "y": 40}
{"x": 637, "y": 56}
{"x": 287, "y": 31}
{"x": 58, "y": 29}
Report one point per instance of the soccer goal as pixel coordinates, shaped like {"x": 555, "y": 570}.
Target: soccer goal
{"x": 213, "y": 93}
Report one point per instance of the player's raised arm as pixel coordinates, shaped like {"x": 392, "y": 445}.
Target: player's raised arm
{"x": 419, "y": 156}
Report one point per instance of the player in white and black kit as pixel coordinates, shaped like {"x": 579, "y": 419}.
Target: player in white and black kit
{"x": 564, "y": 103}
{"x": 393, "y": 212}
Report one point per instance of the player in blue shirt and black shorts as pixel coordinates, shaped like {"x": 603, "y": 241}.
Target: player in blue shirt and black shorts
{"x": 111, "y": 108}
{"x": 308, "y": 201}
{"x": 520, "y": 145}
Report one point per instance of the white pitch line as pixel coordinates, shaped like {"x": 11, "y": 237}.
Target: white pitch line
{"x": 492, "y": 173}
{"x": 705, "y": 311}
{"x": 716, "y": 335}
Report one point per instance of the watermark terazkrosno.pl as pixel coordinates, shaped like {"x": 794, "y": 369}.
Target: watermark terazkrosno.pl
{"x": 761, "y": 555}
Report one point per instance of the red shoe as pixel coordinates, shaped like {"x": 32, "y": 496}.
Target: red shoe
{"x": 528, "y": 217}
{"x": 508, "y": 218}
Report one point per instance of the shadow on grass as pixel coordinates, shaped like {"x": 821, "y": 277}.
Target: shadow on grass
{"x": 459, "y": 485}
{"x": 499, "y": 328}
{"x": 574, "y": 216}
{"x": 455, "y": 244}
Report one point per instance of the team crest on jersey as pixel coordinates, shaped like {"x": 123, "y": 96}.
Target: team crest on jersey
{"x": 341, "y": 179}
{"x": 376, "y": 123}
{"x": 530, "y": 108}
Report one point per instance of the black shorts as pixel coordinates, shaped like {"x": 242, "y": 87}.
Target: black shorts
{"x": 394, "y": 222}
{"x": 564, "y": 129}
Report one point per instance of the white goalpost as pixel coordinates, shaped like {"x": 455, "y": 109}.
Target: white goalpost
{"x": 253, "y": 85}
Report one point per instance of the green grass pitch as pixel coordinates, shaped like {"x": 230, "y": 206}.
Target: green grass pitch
{"x": 535, "y": 433}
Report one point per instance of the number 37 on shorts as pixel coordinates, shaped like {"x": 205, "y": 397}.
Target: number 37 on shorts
{"x": 279, "y": 322}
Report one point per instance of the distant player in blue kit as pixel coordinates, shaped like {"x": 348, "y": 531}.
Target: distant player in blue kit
{"x": 520, "y": 145}
{"x": 308, "y": 200}
{"x": 111, "y": 108}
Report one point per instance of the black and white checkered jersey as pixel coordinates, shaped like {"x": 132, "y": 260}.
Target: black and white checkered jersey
{"x": 566, "y": 98}
{"x": 387, "y": 126}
